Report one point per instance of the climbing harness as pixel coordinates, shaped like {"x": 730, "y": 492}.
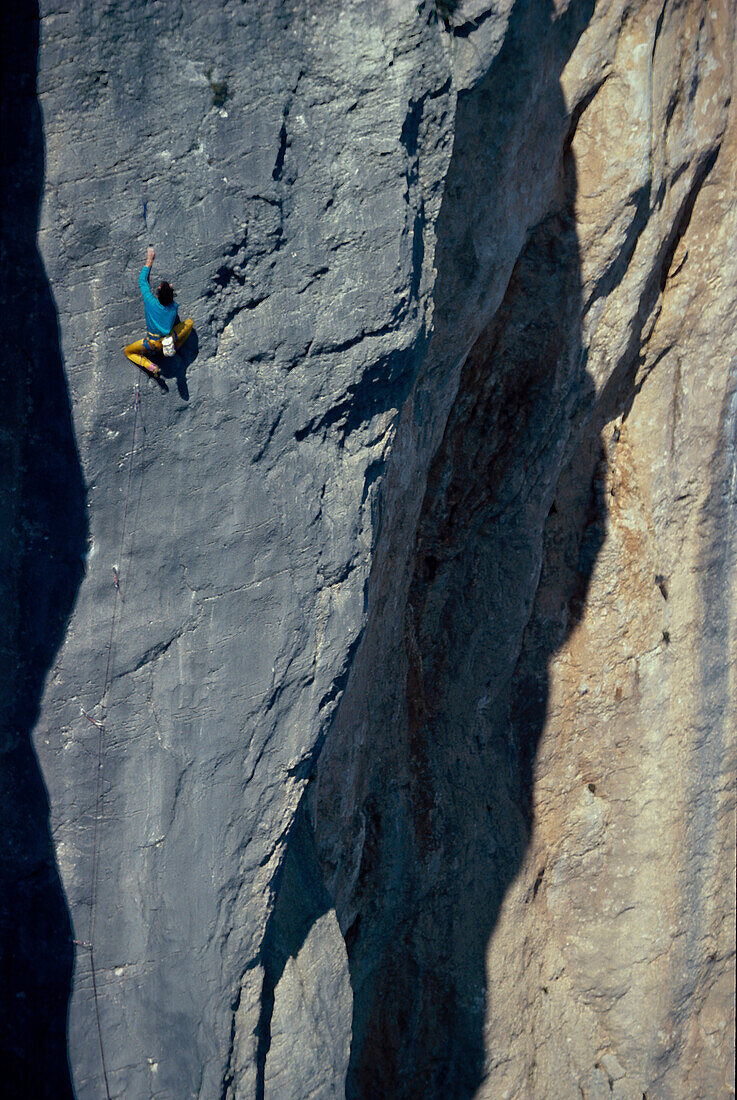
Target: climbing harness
{"x": 89, "y": 943}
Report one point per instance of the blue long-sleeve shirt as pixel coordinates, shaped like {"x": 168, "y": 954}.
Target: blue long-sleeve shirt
{"x": 159, "y": 319}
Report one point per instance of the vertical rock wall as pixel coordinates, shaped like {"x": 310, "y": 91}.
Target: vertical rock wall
{"x": 287, "y": 162}
{"x": 535, "y": 745}
{"x": 396, "y": 764}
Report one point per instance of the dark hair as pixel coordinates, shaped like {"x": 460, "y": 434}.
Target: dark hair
{"x": 166, "y": 294}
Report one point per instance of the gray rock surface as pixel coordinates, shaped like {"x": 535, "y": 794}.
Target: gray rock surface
{"x": 398, "y": 762}
{"x": 272, "y": 154}
{"x": 306, "y": 971}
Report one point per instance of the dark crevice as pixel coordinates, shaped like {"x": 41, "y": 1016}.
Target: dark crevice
{"x": 279, "y": 164}
{"x": 330, "y": 697}
{"x": 411, "y": 128}
{"x": 658, "y": 29}
{"x": 382, "y": 388}
{"x": 374, "y": 473}
{"x": 580, "y": 109}
{"x": 230, "y": 314}
{"x": 621, "y": 388}
{"x": 684, "y": 219}
{"x": 465, "y": 29}
{"x": 259, "y": 454}
{"x": 613, "y": 274}
{"x": 418, "y": 252}
{"x": 263, "y": 1029}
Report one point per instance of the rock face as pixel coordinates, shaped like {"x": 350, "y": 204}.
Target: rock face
{"x": 539, "y": 793}
{"x": 381, "y": 673}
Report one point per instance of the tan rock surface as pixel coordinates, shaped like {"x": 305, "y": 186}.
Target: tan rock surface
{"x": 539, "y": 775}
{"x": 632, "y": 922}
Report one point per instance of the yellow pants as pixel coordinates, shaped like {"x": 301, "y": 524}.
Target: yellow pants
{"x": 135, "y": 351}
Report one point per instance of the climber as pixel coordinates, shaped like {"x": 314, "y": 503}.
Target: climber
{"x": 165, "y": 332}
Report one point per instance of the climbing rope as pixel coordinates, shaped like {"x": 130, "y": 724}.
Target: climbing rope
{"x": 89, "y": 943}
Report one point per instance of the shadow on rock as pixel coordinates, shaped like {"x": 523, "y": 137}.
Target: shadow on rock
{"x": 438, "y": 731}
{"x": 471, "y": 719}
{"x": 178, "y": 365}
{"x": 43, "y": 541}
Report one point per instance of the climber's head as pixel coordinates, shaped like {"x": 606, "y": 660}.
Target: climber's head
{"x": 165, "y": 294}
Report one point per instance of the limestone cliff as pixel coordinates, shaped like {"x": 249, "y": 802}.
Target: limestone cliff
{"x": 381, "y": 673}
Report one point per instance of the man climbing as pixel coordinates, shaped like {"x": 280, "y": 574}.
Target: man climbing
{"x": 165, "y": 333}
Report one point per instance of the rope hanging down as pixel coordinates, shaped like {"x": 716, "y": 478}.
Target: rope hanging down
{"x": 100, "y": 726}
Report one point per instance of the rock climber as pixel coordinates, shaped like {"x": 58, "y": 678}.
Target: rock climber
{"x": 165, "y": 333}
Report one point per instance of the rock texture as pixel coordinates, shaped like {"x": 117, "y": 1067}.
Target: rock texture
{"x": 558, "y": 692}
{"x": 396, "y": 762}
